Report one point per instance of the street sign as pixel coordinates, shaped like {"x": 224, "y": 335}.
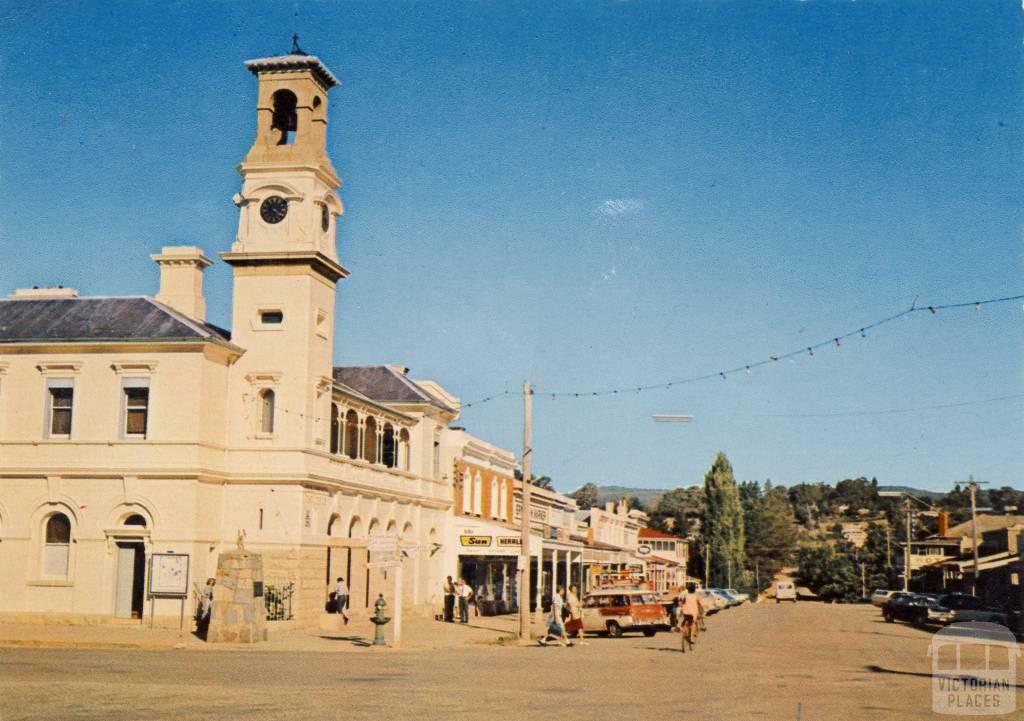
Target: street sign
{"x": 380, "y": 543}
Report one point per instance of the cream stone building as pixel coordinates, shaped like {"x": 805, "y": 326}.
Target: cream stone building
{"x": 131, "y": 426}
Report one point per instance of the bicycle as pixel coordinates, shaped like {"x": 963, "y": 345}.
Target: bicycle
{"x": 688, "y": 632}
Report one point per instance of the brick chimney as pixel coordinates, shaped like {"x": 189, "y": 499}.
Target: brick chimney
{"x": 943, "y": 524}
{"x": 181, "y": 279}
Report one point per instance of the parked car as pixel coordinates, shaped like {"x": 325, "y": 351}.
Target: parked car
{"x": 879, "y": 596}
{"x": 729, "y": 599}
{"x": 964, "y": 607}
{"x": 617, "y": 611}
{"x": 916, "y": 608}
{"x": 712, "y": 602}
{"x": 741, "y": 597}
{"x": 785, "y": 591}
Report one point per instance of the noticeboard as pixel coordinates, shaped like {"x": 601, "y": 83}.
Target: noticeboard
{"x": 168, "y": 574}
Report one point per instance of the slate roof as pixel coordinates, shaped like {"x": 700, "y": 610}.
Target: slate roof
{"x": 385, "y": 385}
{"x": 81, "y": 320}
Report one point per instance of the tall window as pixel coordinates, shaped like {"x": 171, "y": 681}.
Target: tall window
{"x": 267, "y": 411}
{"x": 478, "y": 492}
{"x": 494, "y": 498}
{"x": 58, "y": 545}
{"x": 388, "y": 445}
{"x": 60, "y": 403}
{"x": 335, "y": 429}
{"x": 135, "y": 393}
{"x": 503, "y": 500}
{"x": 370, "y": 439}
{"x": 437, "y": 455}
{"x": 467, "y": 493}
{"x": 352, "y": 434}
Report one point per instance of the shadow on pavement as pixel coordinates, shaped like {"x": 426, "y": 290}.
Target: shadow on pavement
{"x": 355, "y": 640}
{"x": 874, "y": 668}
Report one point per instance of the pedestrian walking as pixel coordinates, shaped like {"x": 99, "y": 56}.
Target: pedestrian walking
{"x": 449, "y": 600}
{"x": 692, "y": 613}
{"x": 341, "y": 598}
{"x": 574, "y": 626}
{"x": 556, "y": 626}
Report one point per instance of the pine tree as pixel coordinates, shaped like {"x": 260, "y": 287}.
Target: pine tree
{"x": 722, "y": 522}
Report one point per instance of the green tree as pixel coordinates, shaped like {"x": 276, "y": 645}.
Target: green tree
{"x": 769, "y": 530}
{"x": 675, "y": 511}
{"x": 586, "y": 496}
{"x": 538, "y": 481}
{"x": 722, "y": 522}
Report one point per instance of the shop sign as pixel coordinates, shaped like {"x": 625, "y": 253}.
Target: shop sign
{"x": 475, "y": 541}
{"x": 536, "y": 513}
{"x": 509, "y": 541}
{"x": 644, "y": 550}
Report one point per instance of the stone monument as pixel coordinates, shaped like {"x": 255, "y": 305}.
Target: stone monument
{"x": 239, "y": 614}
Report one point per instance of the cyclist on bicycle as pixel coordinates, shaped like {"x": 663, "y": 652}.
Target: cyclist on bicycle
{"x": 691, "y": 610}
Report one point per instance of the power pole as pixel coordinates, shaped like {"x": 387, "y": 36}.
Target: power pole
{"x": 974, "y": 533}
{"x": 729, "y": 573}
{"x": 707, "y": 565}
{"x": 906, "y": 551}
{"x": 863, "y": 588}
{"x": 524, "y": 552}
{"x": 888, "y": 546}
{"x": 757, "y": 579}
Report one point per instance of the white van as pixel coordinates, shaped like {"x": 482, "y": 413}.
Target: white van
{"x": 785, "y": 591}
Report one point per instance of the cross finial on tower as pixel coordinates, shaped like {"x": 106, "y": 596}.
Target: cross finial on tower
{"x": 296, "y": 50}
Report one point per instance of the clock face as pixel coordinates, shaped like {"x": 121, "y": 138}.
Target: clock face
{"x": 325, "y": 218}
{"x": 273, "y": 209}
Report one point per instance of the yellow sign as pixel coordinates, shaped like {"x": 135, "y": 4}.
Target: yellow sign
{"x": 475, "y": 541}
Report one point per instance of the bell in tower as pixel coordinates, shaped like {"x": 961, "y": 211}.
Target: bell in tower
{"x": 289, "y": 201}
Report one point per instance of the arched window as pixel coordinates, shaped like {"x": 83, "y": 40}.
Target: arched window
{"x": 467, "y": 493}
{"x": 134, "y": 520}
{"x": 58, "y": 545}
{"x": 503, "y": 500}
{"x": 335, "y": 429}
{"x": 388, "y": 445}
{"x": 352, "y": 434}
{"x": 370, "y": 439}
{"x": 494, "y": 498}
{"x": 267, "y": 411}
{"x": 286, "y": 119}
{"x": 403, "y": 445}
{"x": 478, "y": 492}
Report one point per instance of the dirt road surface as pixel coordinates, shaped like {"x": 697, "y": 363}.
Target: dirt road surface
{"x": 806, "y": 662}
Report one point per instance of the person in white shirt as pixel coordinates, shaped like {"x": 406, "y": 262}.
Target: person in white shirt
{"x": 341, "y": 598}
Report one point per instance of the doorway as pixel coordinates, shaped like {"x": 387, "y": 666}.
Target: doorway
{"x": 131, "y": 579}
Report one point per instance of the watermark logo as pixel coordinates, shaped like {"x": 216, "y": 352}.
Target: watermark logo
{"x": 974, "y": 670}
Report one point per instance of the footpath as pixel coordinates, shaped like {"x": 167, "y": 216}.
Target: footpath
{"x": 357, "y": 637}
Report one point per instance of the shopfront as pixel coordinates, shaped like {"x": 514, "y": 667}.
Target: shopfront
{"x": 488, "y": 556}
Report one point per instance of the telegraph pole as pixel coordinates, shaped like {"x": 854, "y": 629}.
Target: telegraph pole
{"x": 906, "y": 552}
{"x": 707, "y": 565}
{"x": 524, "y": 552}
{"x": 974, "y": 533}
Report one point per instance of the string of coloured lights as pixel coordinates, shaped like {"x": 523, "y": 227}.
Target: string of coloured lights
{"x": 835, "y": 341}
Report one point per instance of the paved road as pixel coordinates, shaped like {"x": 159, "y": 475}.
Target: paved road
{"x": 810, "y": 662}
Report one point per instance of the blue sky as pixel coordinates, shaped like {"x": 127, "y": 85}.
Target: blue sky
{"x": 591, "y": 195}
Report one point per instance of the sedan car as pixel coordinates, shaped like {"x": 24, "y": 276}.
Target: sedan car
{"x": 729, "y": 598}
{"x": 965, "y": 607}
{"x": 915, "y": 608}
{"x": 879, "y": 596}
{"x": 741, "y": 597}
{"x": 712, "y": 602}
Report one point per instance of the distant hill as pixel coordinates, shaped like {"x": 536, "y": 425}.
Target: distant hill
{"x": 648, "y": 496}
{"x": 916, "y": 492}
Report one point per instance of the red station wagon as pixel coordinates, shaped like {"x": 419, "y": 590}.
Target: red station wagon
{"x": 615, "y": 611}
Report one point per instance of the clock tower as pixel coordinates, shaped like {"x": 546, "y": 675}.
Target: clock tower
{"x": 285, "y": 259}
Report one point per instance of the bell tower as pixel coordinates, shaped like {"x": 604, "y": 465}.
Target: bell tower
{"x": 285, "y": 259}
